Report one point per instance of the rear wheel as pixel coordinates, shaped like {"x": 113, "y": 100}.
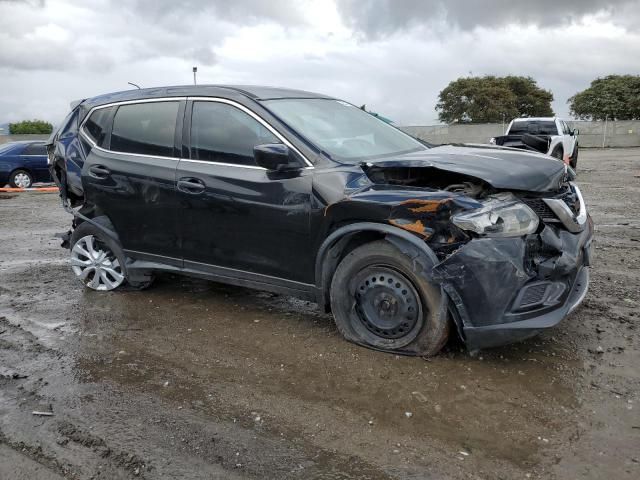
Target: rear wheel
{"x": 379, "y": 301}
{"x": 98, "y": 261}
{"x": 574, "y": 158}
{"x": 20, "y": 179}
{"x": 558, "y": 153}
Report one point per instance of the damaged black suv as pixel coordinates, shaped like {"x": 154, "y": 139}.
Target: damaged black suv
{"x": 307, "y": 195}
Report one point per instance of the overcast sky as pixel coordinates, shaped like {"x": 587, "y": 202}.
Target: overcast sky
{"x": 393, "y": 55}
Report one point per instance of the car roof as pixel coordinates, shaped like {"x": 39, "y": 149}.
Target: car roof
{"x": 255, "y": 92}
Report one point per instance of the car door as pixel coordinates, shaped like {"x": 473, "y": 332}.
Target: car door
{"x": 129, "y": 174}
{"x": 235, "y": 214}
{"x": 34, "y": 157}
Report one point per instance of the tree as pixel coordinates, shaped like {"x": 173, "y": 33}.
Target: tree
{"x": 30, "y": 126}
{"x": 616, "y": 97}
{"x": 492, "y": 99}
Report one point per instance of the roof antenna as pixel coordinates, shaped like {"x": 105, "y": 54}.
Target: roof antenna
{"x": 134, "y": 84}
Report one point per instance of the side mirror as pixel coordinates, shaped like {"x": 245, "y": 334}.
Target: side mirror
{"x": 273, "y": 156}
{"x": 575, "y": 132}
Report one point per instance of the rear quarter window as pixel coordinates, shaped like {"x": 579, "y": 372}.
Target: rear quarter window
{"x": 145, "y": 128}
{"x": 96, "y": 126}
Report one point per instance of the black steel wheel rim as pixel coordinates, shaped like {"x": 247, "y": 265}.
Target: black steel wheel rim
{"x": 386, "y": 302}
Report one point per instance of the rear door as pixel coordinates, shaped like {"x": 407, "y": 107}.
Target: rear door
{"x": 129, "y": 174}
{"x": 34, "y": 157}
{"x": 235, "y": 214}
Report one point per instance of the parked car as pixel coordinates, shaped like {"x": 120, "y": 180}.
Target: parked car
{"x": 306, "y": 195}
{"x": 23, "y": 163}
{"x": 548, "y": 135}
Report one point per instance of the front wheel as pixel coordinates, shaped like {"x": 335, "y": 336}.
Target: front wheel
{"x": 379, "y": 301}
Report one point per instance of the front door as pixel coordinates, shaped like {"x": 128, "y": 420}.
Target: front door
{"x": 236, "y": 215}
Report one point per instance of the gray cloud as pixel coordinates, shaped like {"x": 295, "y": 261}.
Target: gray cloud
{"x": 240, "y": 12}
{"x": 377, "y": 18}
{"x": 60, "y": 50}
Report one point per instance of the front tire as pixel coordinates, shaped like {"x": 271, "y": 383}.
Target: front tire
{"x": 379, "y": 301}
{"x": 20, "y": 179}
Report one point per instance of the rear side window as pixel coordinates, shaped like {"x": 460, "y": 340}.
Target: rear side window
{"x": 224, "y": 133}
{"x": 96, "y": 125}
{"x": 145, "y": 128}
{"x": 35, "y": 149}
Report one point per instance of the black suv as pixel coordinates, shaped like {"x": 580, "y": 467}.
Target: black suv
{"x": 307, "y": 195}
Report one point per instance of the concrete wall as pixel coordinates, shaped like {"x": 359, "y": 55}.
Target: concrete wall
{"x": 592, "y": 134}
{"x": 19, "y": 138}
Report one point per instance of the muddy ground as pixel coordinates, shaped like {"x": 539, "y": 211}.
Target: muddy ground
{"x": 192, "y": 379}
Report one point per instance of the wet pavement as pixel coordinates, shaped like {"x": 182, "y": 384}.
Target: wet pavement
{"x": 193, "y": 379}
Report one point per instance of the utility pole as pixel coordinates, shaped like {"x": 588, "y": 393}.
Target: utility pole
{"x": 195, "y": 70}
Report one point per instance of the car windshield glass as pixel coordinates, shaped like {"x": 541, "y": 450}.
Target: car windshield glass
{"x": 534, "y": 127}
{"x": 344, "y": 132}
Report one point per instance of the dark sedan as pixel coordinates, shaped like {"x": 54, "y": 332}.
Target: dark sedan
{"x": 23, "y": 163}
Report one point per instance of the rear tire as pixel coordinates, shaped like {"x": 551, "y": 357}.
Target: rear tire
{"x": 558, "y": 153}
{"x": 98, "y": 260}
{"x": 20, "y": 179}
{"x": 574, "y": 159}
{"x": 379, "y": 301}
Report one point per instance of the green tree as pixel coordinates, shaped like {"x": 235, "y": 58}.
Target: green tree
{"x": 492, "y": 99}
{"x": 616, "y": 97}
{"x": 30, "y": 126}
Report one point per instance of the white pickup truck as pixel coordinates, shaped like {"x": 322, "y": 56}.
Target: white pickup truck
{"x": 548, "y": 135}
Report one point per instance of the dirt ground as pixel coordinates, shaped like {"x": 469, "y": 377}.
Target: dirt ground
{"x": 192, "y": 379}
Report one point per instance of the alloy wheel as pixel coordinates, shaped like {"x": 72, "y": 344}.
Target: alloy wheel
{"x": 96, "y": 265}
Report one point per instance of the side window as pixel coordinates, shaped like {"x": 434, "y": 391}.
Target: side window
{"x": 35, "y": 149}
{"x": 224, "y": 133}
{"x": 96, "y": 125}
{"x": 146, "y": 128}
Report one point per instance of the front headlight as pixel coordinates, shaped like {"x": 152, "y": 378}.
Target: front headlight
{"x": 492, "y": 141}
{"x": 502, "y": 215}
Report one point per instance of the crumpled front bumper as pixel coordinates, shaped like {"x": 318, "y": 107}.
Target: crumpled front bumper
{"x": 503, "y": 290}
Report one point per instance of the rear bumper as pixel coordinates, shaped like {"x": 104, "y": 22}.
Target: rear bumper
{"x": 507, "y": 290}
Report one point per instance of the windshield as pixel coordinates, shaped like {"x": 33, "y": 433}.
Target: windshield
{"x": 344, "y": 132}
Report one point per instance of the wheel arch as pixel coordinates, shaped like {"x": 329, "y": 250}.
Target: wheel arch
{"x": 343, "y": 240}
{"x": 25, "y": 169}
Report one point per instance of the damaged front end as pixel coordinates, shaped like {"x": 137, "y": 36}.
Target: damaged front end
{"x": 511, "y": 263}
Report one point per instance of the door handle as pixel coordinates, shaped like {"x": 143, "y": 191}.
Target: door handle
{"x": 98, "y": 171}
{"x": 193, "y": 186}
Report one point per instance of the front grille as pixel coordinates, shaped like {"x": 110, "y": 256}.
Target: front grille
{"x": 541, "y": 209}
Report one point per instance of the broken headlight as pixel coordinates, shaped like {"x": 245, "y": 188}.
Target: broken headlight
{"x": 502, "y": 215}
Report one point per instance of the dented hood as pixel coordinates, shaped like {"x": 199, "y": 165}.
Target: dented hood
{"x": 501, "y": 168}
